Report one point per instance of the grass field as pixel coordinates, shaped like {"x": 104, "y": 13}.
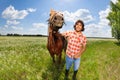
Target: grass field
{"x": 26, "y": 58}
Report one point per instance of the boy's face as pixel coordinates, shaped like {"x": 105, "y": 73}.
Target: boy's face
{"x": 78, "y": 27}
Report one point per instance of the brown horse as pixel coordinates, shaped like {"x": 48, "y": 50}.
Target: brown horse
{"x": 55, "y": 42}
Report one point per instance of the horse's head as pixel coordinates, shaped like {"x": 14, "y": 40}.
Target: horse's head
{"x": 56, "y": 20}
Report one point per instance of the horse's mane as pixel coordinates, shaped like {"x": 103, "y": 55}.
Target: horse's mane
{"x": 52, "y": 12}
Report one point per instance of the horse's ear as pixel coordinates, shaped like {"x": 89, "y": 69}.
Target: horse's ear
{"x": 52, "y": 12}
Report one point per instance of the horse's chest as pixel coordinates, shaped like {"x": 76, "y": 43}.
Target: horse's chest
{"x": 58, "y": 44}
{"x": 55, "y": 43}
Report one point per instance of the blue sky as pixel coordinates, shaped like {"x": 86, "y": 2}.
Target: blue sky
{"x": 30, "y": 16}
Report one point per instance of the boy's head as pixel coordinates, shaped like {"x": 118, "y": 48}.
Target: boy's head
{"x": 81, "y": 22}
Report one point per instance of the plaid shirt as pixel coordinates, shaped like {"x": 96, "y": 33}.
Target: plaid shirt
{"x": 75, "y": 42}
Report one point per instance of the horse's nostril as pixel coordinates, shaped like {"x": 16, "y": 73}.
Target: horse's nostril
{"x": 62, "y": 19}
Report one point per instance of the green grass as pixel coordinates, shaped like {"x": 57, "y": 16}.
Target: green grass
{"x": 27, "y": 58}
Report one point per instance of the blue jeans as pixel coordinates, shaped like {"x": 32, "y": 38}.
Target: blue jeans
{"x": 70, "y": 61}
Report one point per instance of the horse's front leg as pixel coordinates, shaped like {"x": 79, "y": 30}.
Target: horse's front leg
{"x": 59, "y": 58}
{"x": 53, "y": 57}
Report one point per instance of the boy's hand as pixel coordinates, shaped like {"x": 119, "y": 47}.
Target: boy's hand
{"x": 77, "y": 55}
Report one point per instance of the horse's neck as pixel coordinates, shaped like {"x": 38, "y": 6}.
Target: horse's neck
{"x": 54, "y": 38}
{"x": 51, "y": 30}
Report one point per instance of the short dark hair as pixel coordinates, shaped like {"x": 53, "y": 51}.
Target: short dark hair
{"x": 79, "y": 21}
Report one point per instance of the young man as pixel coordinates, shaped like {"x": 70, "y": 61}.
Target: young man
{"x": 75, "y": 47}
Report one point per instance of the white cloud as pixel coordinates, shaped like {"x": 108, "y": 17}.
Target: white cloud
{"x": 16, "y": 28}
{"x": 95, "y": 30}
{"x": 10, "y": 29}
{"x": 39, "y": 28}
{"x": 5, "y": 26}
{"x": 12, "y": 22}
{"x": 103, "y": 14}
{"x": 114, "y": 1}
{"x": 101, "y": 29}
{"x": 82, "y": 14}
{"x": 39, "y": 25}
{"x": 31, "y": 10}
{"x": 12, "y": 16}
{"x": 11, "y": 13}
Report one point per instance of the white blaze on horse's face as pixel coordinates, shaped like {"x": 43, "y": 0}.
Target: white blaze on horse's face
{"x": 57, "y": 20}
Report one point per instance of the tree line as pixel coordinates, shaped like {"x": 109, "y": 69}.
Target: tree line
{"x": 15, "y": 34}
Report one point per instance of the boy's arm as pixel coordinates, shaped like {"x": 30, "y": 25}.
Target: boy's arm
{"x": 66, "y": 34}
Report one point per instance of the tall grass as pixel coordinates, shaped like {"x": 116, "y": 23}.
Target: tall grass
{"x": 27, "y": 58}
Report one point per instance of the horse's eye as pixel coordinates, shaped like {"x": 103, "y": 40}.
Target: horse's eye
{"x": 55, "y": 18}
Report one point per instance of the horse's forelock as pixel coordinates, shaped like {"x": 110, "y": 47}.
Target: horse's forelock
{"x": 52, "y": 15}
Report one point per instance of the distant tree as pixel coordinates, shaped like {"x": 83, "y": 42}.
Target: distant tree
{"x": 16, "y": 34}
{"x": 114, "y": 18}
{"x": 9, "y": 34}
{"x": 13, "y": 34}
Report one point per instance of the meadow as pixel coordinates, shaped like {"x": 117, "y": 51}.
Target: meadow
{"x": 27, "y": 58}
